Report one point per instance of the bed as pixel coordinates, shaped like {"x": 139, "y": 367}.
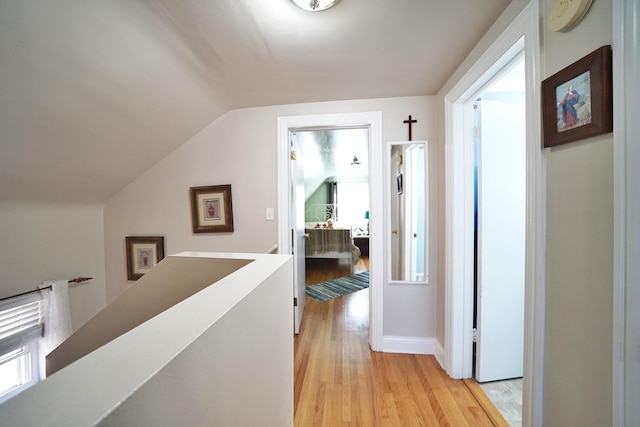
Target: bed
{"x": 326, "y": 239}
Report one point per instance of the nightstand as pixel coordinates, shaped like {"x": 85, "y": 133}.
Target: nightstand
{"x": 362, "y": 242}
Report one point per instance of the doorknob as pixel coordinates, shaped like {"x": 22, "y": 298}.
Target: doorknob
{"x": 305, "y": 235}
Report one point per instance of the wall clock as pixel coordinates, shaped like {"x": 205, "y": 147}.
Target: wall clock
{"x": 567, "y": 13}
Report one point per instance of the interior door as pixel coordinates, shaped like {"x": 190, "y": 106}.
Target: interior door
{"x": 501, "y": 240}
{"x": 297, "y": 231}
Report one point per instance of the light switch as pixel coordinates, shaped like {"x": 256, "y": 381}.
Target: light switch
{"x": 270, "y": 214}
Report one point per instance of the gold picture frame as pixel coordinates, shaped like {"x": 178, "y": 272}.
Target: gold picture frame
{"x": 143, "y": 253}
{"x": 211, "y": 209}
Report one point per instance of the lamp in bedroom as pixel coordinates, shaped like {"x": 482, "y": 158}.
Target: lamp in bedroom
{"x": 366, "y": 216}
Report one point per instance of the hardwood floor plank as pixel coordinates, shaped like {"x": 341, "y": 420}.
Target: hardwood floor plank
{"x": 418, "y": 396}
{"x": 487, "y": 406}
{"x": 339, "y": 381}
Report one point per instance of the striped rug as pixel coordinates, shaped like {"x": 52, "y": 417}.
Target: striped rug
{"x": 336, "y": 288}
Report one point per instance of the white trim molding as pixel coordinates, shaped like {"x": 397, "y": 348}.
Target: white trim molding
{"x": 409, "y": 345}
{"x": 626, "y": 249}
{"x": 536, "y": 230}
{"x": 438, "y": 353}
{"x": 522, "y": 33}
{"x": 373, "y": 121}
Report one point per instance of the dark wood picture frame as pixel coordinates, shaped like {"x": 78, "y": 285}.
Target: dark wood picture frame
{"x": 143, "y": 253}
{"x": 211, "y": 209}
{"x": 574, "y": 115}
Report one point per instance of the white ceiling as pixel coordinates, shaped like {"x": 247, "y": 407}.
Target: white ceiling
{"x": 92, "y": 94}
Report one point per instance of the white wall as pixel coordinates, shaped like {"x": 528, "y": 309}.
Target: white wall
{"x": 240, "y": 149}
{"x": 239, "y": 372}
{"x": 154, "y": 293}
{"x": 48, "y": 241}
{"x": 579, "y": 258}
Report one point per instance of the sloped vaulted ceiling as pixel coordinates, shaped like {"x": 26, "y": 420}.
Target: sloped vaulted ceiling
{"x": 92, "y": 94}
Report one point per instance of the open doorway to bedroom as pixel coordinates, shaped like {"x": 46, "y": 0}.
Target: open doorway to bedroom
{"x": 336, "y": 208}
{"x": 291, "y": 225}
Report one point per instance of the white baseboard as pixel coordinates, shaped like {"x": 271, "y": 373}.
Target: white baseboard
{"x": 408, "y": 345}
{"x": 439, "y": 354}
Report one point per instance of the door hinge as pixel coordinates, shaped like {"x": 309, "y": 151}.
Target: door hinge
{"x": 475, "y": 334}
{"x": 293, "y": 155}
{"x": 295, "y": 302}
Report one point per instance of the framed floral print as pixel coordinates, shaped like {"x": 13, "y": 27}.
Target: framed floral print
{"x": 211, "y": 209}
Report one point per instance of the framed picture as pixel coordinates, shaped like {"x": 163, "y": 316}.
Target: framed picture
{"x": 577, "y": 101}
{"x": 400, "y": 183}
{"x": 143, "y": 253}
{"x": 211, "y": 209}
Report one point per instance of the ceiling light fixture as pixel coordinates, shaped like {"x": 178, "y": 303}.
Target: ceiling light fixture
{"x": 315, "y": 5}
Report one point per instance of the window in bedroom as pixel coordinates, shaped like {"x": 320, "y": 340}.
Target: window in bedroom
{"x": 20, "y": 332}
{"x": 353, "y": 204}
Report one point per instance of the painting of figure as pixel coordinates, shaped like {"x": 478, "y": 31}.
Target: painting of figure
{"x": 574, "y": 102}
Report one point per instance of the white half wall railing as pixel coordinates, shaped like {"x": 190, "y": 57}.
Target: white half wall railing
{"x": 221, "y": 353}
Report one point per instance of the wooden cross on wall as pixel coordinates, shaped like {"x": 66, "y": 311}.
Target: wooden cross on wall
{"x": 410, "y": 122}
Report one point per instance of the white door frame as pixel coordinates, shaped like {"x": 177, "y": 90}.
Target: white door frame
{"x": 459, "y": 213}
{"x": 372, "y": 120}
{"x": 626, "y": 248}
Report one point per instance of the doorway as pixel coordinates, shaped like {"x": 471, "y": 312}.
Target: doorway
{"x": 372, "y": 121}
{"x": 500, "y": 229}
{"x": 499, "y": 224}
{"x": 521, "y": 34}
{"x": 335, "y": 202}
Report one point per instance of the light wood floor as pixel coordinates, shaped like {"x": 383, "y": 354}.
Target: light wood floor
{"x": 340, "y": 382}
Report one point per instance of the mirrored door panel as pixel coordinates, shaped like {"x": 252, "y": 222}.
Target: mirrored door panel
{"x": 408, "y": 212}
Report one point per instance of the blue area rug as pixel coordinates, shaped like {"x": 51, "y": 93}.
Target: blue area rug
{"x": 336, "y": 288}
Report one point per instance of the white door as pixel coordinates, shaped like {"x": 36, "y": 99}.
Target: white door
{"x": 297, "y": 231}
{"x": 501, "y": 240}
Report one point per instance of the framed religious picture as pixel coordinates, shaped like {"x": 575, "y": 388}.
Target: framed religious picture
{"x": 211, "y": 209}
{"x": 577, "y": 101}
{"x": 143, "y": 253}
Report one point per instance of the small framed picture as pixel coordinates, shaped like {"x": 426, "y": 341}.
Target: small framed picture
{"x": 211, "y": 209}
{"x": 577, "y": 101}
{"x": 143, "y": 253}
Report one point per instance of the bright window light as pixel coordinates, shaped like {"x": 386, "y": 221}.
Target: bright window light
{"x": 17, "y": 371}
{"x": 353, "y": 203}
